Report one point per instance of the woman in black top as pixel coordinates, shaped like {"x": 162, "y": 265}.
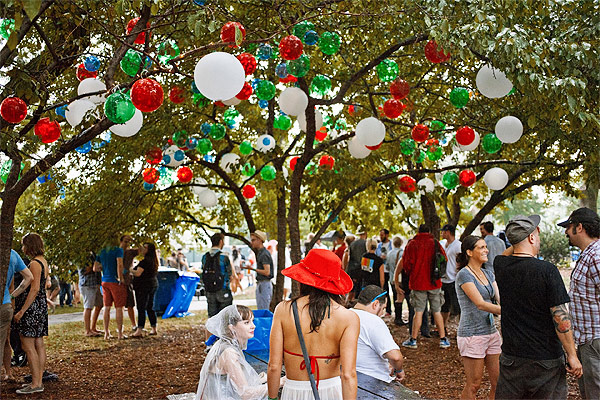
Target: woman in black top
{"x": 145, "y": 284}
{"x": 372, "y": 266}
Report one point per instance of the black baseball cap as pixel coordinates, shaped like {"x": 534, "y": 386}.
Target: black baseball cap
{"x": 448, "y": 227}
{"x": 581, "y": 215}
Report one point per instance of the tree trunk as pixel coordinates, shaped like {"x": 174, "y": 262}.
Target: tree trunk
{"x": 281, "y": 247}
{"x": 589, "y": 195}
{"x": 432, "y": 220}
{"x": 7, "y": 219}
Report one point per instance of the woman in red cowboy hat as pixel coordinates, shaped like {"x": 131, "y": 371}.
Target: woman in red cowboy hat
{"x": 330, "y": 332}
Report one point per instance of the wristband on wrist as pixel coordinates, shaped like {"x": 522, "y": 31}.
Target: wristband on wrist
{"x": 397, "y": 371}
{"x": 272, "y": 398}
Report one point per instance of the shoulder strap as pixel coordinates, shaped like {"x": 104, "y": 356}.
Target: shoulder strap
{"x": 311, "y": 377}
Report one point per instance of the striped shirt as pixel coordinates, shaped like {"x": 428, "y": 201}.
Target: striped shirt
{"x": 585, "y": 295}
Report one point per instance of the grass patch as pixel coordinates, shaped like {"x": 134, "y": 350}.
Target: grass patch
{"x": 65, "y": 309}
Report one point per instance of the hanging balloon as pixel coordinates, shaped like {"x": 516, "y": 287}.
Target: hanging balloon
{"x": 249, "y": 191}
{"x": 207, "y": 198}
{"x": 92, "y": 85}
{"x": 459, "y": 97}
{"x": 151, "y": 175}
{"x": 509, "y": 129}
{"x": 177, "y": 94}
{"x": 217, "y": 131}
{"x": 310, "y": 38}
{"x": 60, "y": 110}
{"x": 173, "y": 156}
{"x": 393, "y": 108}
{"x": 91, "y": 63}
{"x": 437, "y": 126}
{"x": 204, "y": 146}
{"x": 419, "y": 156}
{"x": 141, "y": 37}
{"x": 234, "y": 101}
{"x": 233, "y": 32}
{"x": 320, "y": 85}
{"x": 245, "y": 147}
{"x": 198, "y": 186}
{"x": 265, "y": 143}
{"x": 496, "y": 178}
{"x": 268, "y": 173}
{"x": 130, "y": 127}
{"x": 13, "y": 110}
{"x": 399, "y": 89}
{"x": 450, "y": 180}
{"x": 293, "y": 162}
{"x": 426, "y": 185}
{"x": 229, "y": 161}
{"x": 318, "y": 120}
{"x": 76, "y": 111}
{"x": 329, "y": 43}
{"x": 180, "y": 138}
{"x": 118, "y": 108}
{"x": 154, "y": 156}
{"x": 131, "y": 62}
{"x": 293, "y": 101}
{"x": 290, "y": 47}
{"x": 327, "y": 162}
{"x": 248, "y": 169}
{"x": 387, "y": 70}
{"x": 184, "y": 174}
{"x": 370, "y": 131}
{"x": 7, "y": 26}
{"x": 191, "y": 143}
{"x": 301, "y": 28}
{"x": 83, "y": 73}
{"x": 407, "y": 184}
{"x": 299, "y": 67}
{"x": 434, "y": 153}
{"x": 48, "y": 131}
{"x": 248, "y": 61}
{"x": 265, "y": 90}
{"x": 281, "y": 70}
{"x": 219, "y": 76}
{"x": 492, "y": 83}
{"x": 467, "y": 178}
{"x": 465, "y": 135}
{"x": 434, "y": 53}
{"x": 264, "y": 51}
{"x": 321, "y": 134}
{"x": 148, "y": 186}
{"x": 84, "y": 148}
{"x": 420, "y": 133}
{"x": 147, "y": 95}
{"x": 283, "y": 122}
{"x": 408, "y": 146}
{"x": 471, "y": 146}
{"x": 491, "y": 144}
{"x": 167, "y": 50}
{"x": 357, "y": 149}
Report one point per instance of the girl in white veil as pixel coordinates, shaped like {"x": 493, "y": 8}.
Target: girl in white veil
{"x": 225, "y": 374}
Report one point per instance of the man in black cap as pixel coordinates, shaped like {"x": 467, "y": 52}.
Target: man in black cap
{"x": 583, "y": 230}
{"x": 535, "y": 320}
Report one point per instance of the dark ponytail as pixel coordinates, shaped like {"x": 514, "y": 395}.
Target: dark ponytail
{"x": 468, "y": 243}
{"x": 319, "y": 302}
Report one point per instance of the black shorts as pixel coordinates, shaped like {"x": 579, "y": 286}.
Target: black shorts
{"x": 450, "y": 299}
{"x": 356, "y": 277}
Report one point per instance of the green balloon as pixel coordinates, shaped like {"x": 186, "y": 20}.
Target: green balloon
{"x": 268, "y": 173}
{"x": 436, "y": 125}
{"x": 199, "y": 100}
{"x": 167, "y": 50}
{"x": 340, "y": 124}
{"x": 230, "y": 113}
{"x": 7, "y": 25}
{"x": 327, "y": 120}
{"x": 5, "y": 170}
{"x": 179, "y": 138}
{"x": 282, "y": 122}
{"x": 459, "y": 97}
{"x": 265, "y": 90}
{"x": 329, "y": 43}
{"x": 419, "y": 156}
{"x": 217, "y": 131}
{"x": 435, "y": 153}
{"x": 408, "y": 146}
{"x": 387, "y": 70}
{"x": 321, "y": 85}
{"x": 299, "y": 67}
{"x": 204, "y": 146}
{"x": 450, "y": 180}
{"x": 301, "y": 28}
{"x": 131, "y": 62}
{"x": 118, "y": 108}
{"x": 245, "y": 147}
{"x": 311, "y": 168}
{"x": 491, "y": 143}
{"x": 248, "y": 169}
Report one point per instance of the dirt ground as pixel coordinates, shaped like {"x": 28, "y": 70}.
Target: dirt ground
{"x": 154, "y": 367}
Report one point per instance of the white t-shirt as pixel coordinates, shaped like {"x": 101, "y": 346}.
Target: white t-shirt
{"x": 374, "y": 341}
{"x": 451, "y": 252}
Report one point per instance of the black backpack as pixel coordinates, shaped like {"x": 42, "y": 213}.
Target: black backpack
{"x": 438, "y": 264}
{"x": 212, "y": 276}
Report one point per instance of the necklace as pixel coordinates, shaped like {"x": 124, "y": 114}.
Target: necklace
{"x": 491, "y": 294}
{"x": 476, "y": 275}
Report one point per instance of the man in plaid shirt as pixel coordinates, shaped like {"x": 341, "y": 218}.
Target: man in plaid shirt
{"x": 583, "y": 230}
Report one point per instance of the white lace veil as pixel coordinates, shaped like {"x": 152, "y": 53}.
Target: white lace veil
{"x": 226, "y": 374}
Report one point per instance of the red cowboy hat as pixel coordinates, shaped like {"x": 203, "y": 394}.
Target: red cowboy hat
{"x": 321, "y": 269}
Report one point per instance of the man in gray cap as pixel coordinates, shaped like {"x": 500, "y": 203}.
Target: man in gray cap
{"x": 583, "y": 230}
{"x": 535, "y": 321}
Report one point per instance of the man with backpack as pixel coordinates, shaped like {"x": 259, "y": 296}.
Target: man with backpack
{"x": 216, "y": 275}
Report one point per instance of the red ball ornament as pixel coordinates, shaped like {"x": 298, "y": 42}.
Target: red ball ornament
{"x": 147, "y": 95}
{"x": 248, "y": 61}
{"x": 372, "y": 148}
{"x": 184, "y": 174}
{"x": 177, "y": 94}
{"x": 321, "y": 134}
{"x": 151, "y": 175}
{"x": 228, "y": 33}
{"x": 399, "y": 89}
{"x": 13, "y": 110}
{"x": 420, "y": 133}
{"x": 407, "y": 184}
{"x": 48, "y": 131}
{"x": 290, "y": 47}
{"x": 246, "y": 92}
{"x": 434, "y": 53}
{"x": 467, "y": 178}
{"x": 392, "y": 108}
{"x": 219, "y": 103}
{"x": 154, "y": 156}
{"x": 288, "y": 79}
{"x": 351, "y": 109}
{"x": 293, "y": 162}
{"x": 83, "y": 73}
{"x": 141, "y": 37}
{"x": 327, "y": 162}
{"x": 465, "y": 135}
{"x": 248, "y": 191}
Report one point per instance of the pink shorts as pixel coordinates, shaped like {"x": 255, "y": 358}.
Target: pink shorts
{"x": 479, "y": 346}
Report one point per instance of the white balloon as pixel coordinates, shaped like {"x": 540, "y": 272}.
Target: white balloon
{"x": 76, "y": 111}
{"x": 426, "y": 185}
{"x": 265, "y": 143}
{"x": 228, "y": 161}
{"x": 318, "y": 120}
{"x": 234, "y": 101}
{"x": 509, "y": 129}
{"x": 496, "y": 178}
{"x": 92, "y": 85}
{"x": 293, "y": 101}
{"x": 219, "y": 76}
{"x": 370, "y": 131}
{"x": 357, "y": 149}
{"x": 207, "y": 198}
{"x": 492, "y": 83}
{"x": 173, "y": 156}
{"x": 130, "y": 127}
{"x": 199, "y": 189}
{"x": 472, "y": 146}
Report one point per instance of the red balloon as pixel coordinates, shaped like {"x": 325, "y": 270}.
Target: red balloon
{"x": 248, "y": 191}
{"x": 246, "y": 92}
{"x": 48, "y": 131}
{"x": 290, "y": 48}
{"x": 420, "y": 133}
{"x": 434, "y": 53}
{"x": 13, "y": 110}
{"x": 321, "y": 134}
{"x": 176, "y": 94}
{"x": 374, "y": 147}
{"x": 288, "y": 79}
{"x": 467, "y": 178}
{"x": 293, "y": 162}
{"x": 151, "y": 175}
{"x": 184, "y": 174}
{"x": 465, "y": 135}
{"x": 351, "y": 109}
{"x": 399, "y": 89}
{"x": 219, "y": 103}
{"x": 228, "y": 32}
{"x": 83, "y": 73}
{"x": 248, "y": 61}
{"x": 154, "y": 155}
{"x": 392, "y": 108}
{"x": 147, "y": 95}
{"x": 407, "y": 184}
{"x": 141, "y": 37}
{"x": 327, "y": 162}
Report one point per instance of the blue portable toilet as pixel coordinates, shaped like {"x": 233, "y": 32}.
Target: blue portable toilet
{"x": 263, "y": 320}
{"x": 166, "y": 288}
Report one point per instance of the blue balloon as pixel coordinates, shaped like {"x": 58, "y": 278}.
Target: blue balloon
{"x": 191, "y": 143}
{"x": 179, "y": 155}
{"x": 60, "y": 111}
{"x": 209, "y": 158}
{"x": 199, "y": 2}
{"x": 264, "y": 51}
{"x": 91, "y": 63}
{"x": 205, "y": 128}
{"x": 263, "y": 104}
{"x": 148, "y": 63}
{"x": 195, "y": 88}
{"x": 231, "y": 124}
{"x": 167, "y": 159}
{"x": 148, "y": 186}
{"x": 311, "y": 38}
{"x": 254, "y": 83}
{"x": 84, "y": 148}
{"x": 281, "y": 70}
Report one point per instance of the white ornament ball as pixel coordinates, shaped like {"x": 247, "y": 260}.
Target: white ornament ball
{"x": 293, "y": 101}
{"x": 130, "y": 127}
{"x": 496, "y": 178}
{"x": 426, "y": 185}
{"x": 207, "y": 198}
{"x": 472, "y": 146}
{"x": 173, "y": 156}
{"x": 265, "y": 143}
{"x": 219, "y": 76}
{"x": 228, "y": 161}
{"x": 92, "y": 85}
{"x": 318, "y": 120}
{"x": 509, "y": 129}
{"x": 370, "y": 131}
{"x": 357, "y": 149}
{"x": 492, "y": 83}
{"x": 76, "y": 111}
{"x": 234, "y": 101}
{"x": 199, "y": 189}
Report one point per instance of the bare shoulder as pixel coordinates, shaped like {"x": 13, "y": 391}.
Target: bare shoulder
{"x": 346, "y": 316}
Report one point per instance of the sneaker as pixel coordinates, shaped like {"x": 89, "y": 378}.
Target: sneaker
{"x": 411, "y": 343}
{"x": 444, "y": 343}
{"x": 30, "y": 389}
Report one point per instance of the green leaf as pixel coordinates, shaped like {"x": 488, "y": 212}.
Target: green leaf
{"x": 13, "y": 40}
{"x": 532, "y": 121}
{"x": 32, "y": 7}
{"x": 212, "y": 26}
{"x": 238, "y": 36}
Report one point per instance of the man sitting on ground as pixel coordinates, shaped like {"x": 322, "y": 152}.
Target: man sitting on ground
{"x": 378, "y": 355}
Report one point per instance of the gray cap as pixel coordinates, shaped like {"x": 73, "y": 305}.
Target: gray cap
{"x": 520, "y": 227}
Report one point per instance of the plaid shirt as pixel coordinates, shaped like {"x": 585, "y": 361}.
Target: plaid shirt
{"x": 585, "y": 295}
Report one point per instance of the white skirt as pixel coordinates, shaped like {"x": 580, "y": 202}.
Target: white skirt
{"x": 329, "y": 389}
